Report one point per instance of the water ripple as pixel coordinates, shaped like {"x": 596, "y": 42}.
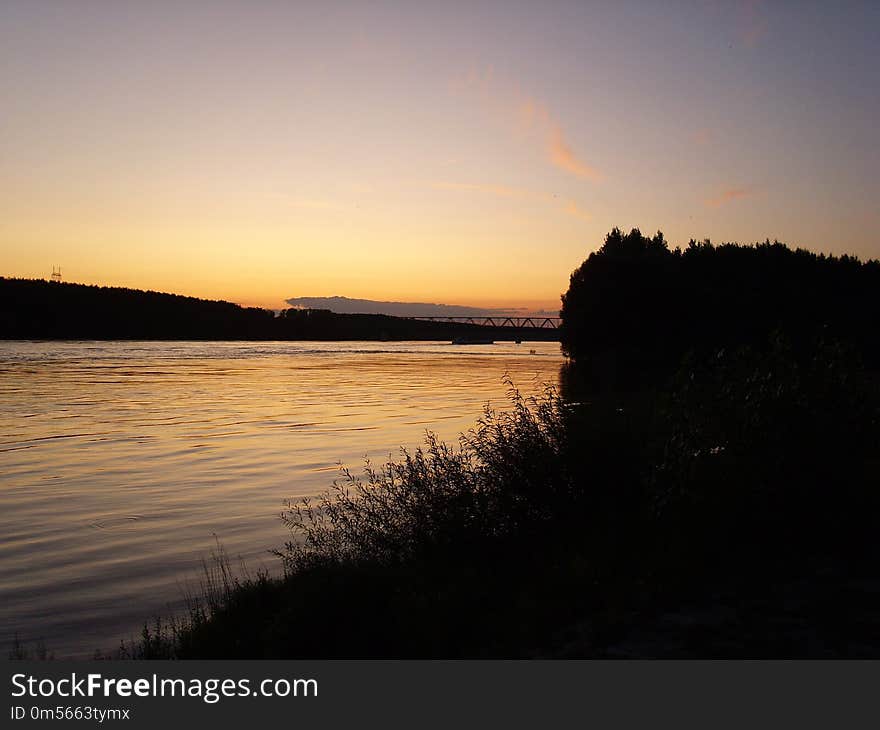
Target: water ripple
{"x": 123, "y": 460}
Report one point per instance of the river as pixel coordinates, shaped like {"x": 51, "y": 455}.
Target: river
{"x": 122, "y": 463}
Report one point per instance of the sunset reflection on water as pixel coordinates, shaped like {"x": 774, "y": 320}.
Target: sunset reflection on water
{"x": 123, "y": 462}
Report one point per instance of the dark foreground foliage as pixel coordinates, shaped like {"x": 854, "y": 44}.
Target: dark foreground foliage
{"x": 717, "y": 496}
{"x": 564, "y": 528}
{"x": 413, "y": 558}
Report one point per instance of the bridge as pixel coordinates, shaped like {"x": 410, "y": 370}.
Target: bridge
{"x": 517, "y": 322}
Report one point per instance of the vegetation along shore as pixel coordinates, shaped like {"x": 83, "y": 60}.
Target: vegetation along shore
{"x": 703, "y": 484}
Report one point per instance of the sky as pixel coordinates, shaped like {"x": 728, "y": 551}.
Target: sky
{"x": 468, "y": 153}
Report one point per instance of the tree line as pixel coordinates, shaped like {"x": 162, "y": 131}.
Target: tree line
{"x": 635, "y": 307}
{"x": 38, "y": 309}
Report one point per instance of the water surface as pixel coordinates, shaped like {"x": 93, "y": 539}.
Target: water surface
{"x": 122, "y": 462}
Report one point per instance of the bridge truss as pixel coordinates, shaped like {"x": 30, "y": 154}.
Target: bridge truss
{"x": 516, "y": 322}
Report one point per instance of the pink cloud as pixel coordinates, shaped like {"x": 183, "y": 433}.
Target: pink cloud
{"x": 564, "y": 158}
{"x": 728, "y": 196}
{"x": 573, "y": 209}
{"x": 530, "y": 118}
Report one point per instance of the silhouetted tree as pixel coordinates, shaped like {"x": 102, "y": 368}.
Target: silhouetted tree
{"x": 635, "y": 307}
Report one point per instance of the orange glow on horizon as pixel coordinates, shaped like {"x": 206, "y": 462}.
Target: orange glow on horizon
{"x": 299, "y": 152}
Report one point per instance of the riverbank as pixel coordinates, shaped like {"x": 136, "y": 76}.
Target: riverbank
{"x": 591, "y": 528}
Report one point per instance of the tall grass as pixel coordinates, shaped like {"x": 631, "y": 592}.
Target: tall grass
{"x": 214, "y": 592}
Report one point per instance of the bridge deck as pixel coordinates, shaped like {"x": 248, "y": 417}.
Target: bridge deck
{"x": 517, "y": 322}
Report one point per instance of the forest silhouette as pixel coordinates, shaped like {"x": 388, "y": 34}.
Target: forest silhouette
{"x": 635, "y": 307}
{"x": 38, "y": 309}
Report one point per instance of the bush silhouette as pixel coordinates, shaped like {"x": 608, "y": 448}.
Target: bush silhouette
{"x": 769, "y": 455}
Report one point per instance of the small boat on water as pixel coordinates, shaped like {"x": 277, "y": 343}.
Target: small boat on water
{"x": 472, "y": 341}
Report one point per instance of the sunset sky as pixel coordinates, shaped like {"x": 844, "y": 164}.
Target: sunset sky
{"x": 457, "y": 152}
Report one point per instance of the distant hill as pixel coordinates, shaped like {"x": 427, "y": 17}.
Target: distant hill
{"x": 345, "y": 305}
{"x": 38, "y": 309}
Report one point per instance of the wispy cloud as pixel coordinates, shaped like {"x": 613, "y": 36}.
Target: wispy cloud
{"x": 530, "y": 118}
{"x": 575, "y": 210}
{"x": 564, "y": 158}
{"x": 532, "y": 115}
{"x": 728, "y": 196}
